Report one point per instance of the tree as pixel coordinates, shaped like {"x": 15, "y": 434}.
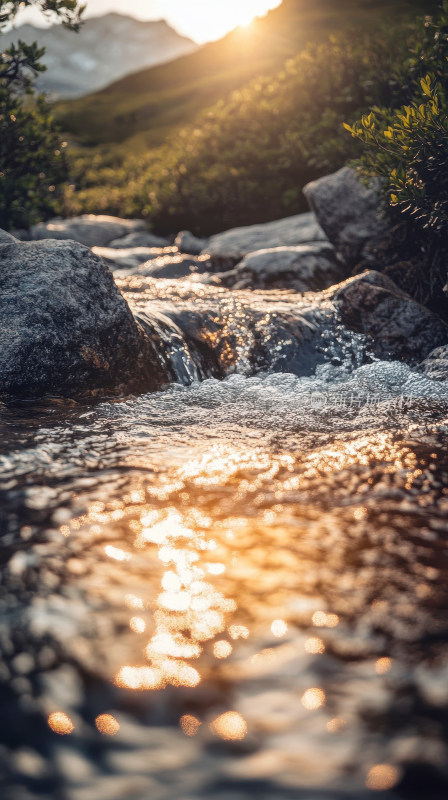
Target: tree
{"x": 33, "y": 166}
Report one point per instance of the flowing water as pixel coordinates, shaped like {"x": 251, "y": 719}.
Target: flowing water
{"x": 233, "y": 588}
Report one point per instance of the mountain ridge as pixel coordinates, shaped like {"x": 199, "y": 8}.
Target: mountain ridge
{"x": 106, "y": 49}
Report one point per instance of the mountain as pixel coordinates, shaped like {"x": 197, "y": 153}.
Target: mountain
{"x": 105, "y": 49}
{"x": 148, "y": 104}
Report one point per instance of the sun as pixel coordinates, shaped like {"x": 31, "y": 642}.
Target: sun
{"x": 205, "y": 20}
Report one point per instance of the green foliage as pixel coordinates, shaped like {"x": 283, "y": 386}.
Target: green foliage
{"x": 33, "y": 166}
{"x": 32, "y": 163}
{"x": 247, "y": 158}
{"x": 68, "y": 11}
{"x": 407, "y": 147}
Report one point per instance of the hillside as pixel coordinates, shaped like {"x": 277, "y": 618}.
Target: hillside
{"x": 106, "y": 49}
{"x": 246, "y": 158}
{"x": 151, "y": 103}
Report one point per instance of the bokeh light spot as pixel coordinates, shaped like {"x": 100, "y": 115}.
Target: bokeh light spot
{"x": 230, "y": 726}
{"x": 336, "y": 725}
{"x": 314, "y": 645}
{"x": 279, "y": 628}
{"x": 137, "y": 624}
{"x": 238, "y": 632}
{"x": 313, "y": 699}
{"x": 60, "y": 723}
{"x": 382, "y": 777}
{"x": 190, "y": 725}
{"x": 107, "y": 724}
{"x": 382, "y": 666}
{"x": 222, "y": 649}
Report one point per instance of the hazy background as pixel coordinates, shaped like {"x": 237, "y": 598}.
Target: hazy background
{"x": 201, "y": 20}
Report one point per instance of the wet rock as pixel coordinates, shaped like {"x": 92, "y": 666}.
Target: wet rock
{"x": 435, "y": 366}
{"x": 130, "y": 257}
{"x": 397, "y": 326}
{"x": 228, "y": 248}
{"x": 88, "y": 229}
{"x": 307, "y": 267}
{"x": 64, "y": 326}
{"x": 139, "y": 239}
{"x": 175, "y": 266}
{"x": 348, "y": 212}
{"x": 186, "y": 242}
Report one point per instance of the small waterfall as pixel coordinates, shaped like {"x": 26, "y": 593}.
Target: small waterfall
{"x": 176, "y": 356}
{"x": 198, "y": 332}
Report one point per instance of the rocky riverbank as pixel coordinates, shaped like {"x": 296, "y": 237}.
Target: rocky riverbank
{"x": 68, "y": 330}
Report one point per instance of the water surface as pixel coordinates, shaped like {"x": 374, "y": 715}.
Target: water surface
{"x": 232, "y": 589}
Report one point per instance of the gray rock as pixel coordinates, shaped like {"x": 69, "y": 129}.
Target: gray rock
{"x": 88, "y": 229}
{"x": 6, "y": 238}
{"x": 348, "y": 211}
{"x": 227, "y": 248}
{"x": 175, "y": 266}
{"x": 186, "y": 242}
{"x": 64, "y": 326}
{"x": 167, "y": 263}
{"x": 306, "y": 267}
{"x": 130, "y": 257}
{"x": 397, "y": 326}
{"x": 435, "y": 366}
{"x": 139, "y": 239}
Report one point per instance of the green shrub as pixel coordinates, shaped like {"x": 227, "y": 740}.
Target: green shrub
{"x": 407, "y": 148}
{"x": 33, "y": 167}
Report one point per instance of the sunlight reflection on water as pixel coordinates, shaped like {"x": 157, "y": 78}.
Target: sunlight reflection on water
{"x": 264, "y": 603}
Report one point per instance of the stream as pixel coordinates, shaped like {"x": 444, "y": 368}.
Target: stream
{"x": 232, "y": 589}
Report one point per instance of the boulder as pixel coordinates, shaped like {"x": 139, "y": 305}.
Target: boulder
{"x": 348, "y": 212}
{"x": 396, "y": 325}
{"x": 186, "y": 242}
{"x": 88, "y": 229}
{"x": 130, "y": 257}
{"x": 64, "y": 326}
{"x": 228, "y": 248}
{"x": 435, "y": 365}
{"x": 139, "y": 239}
{"x": 306, "y": 267}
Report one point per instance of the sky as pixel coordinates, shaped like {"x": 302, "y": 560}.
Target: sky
{"x": 201, "y": 20}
